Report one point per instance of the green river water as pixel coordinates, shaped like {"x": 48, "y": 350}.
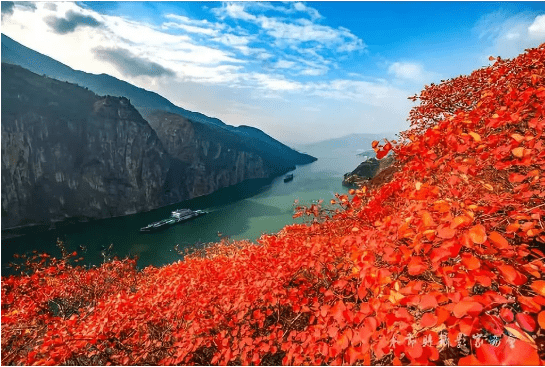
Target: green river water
{"x": 242, "y": 212}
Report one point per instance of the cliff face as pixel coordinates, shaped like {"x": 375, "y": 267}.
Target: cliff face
{"x": 367, "y": 170}
{"x": 204, "y": 158}
{"x": 68, "y": 153}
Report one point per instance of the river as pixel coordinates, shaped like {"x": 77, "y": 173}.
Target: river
{"x": 242, "y": 212}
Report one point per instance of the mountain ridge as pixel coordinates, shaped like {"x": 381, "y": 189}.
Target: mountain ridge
{"x": 103, "y": 84}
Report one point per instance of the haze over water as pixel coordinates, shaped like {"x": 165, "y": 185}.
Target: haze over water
{"x": 242, "y": 212}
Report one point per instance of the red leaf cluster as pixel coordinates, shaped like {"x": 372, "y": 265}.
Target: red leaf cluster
{"x": 441, "y": 265}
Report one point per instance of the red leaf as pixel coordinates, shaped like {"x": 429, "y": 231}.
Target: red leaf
{"x": 507, "y": 315}
{"x": 337, "y": 310}
{"x": 470, "y": 261}
{"x": 352, "y": 355}
{"x": 539, "y": 287}
{"x": 445, "y": 232}
{"x": 529, "y": 304}
{"x": 541, "y": 319}
{"x": 512, "y": 276}
{"x": 516, "y": 178}
{"x": 477, "y": 234}
{"x": 498, "y": 240}
{"x": 428, "y": 320}
{"x": 442, "y": 315}
{"x": 518, "y": 152}
{"x": 526, "y": 322}
{"x": 414, "y": 351}
{"x": 427, "y": 301}
{"x": 416, "y": 266}
{"x": 463, "y": 308}
{"x": 469, "y": 360}
{"x": 381, "y": 154}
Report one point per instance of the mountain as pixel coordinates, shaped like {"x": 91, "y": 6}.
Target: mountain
{"x": 368, "y": 170}
{"x": 207, "y": 158}
{"x": 102, "y": 84}
{"x": 144, "y": 101}
{"x": 69, "y": 153}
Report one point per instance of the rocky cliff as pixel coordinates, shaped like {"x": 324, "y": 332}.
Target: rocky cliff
{"x": 205, "y": 158}
{"x": 368, "y": 170}
{"x": 69, "y": 153}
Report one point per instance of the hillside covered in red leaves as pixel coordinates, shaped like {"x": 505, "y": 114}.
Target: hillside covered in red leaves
{"x": 443, "y": 264}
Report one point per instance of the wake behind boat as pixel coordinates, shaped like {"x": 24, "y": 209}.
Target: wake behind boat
{"x": 177, "y": 216}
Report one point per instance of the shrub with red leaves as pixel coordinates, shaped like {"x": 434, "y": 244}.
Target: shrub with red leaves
{"x": 441, "y": 265}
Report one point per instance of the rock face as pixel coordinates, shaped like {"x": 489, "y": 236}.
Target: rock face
{"x": 69, "y": 153}
{"x": 367, "y": 170}
{"x": 204, "y": 158}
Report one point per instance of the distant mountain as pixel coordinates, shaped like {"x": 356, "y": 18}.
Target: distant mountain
{"x": 260, "y": 141}
{"x": 353, "y": 144}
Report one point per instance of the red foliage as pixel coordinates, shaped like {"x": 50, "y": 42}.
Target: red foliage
{"x": 441, "y": 265}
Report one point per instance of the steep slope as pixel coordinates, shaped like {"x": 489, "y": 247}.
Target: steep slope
{"x": 69, "y": 153}
{"x": 212, "y": 157}
{"x": 205, "y": 158}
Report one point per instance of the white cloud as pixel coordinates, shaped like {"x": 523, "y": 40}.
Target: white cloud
{"x": 287, "y": 32}
{"x": 284, "y": 64}
{"x": 508, "y": 35}
{"x": 233, "y": 40}
{"x": 313, "y": 72}
{"x": 292, "y": 8}
{"x": 192, "y": 25}
{"x": 537, "y": 29}
{"x": 233, "y": 10}
{"x": 306, "y": 31}
{"x": 380, "y": 94}
{"x": 314, "y": 14}
{"x": 406, "y": 70}
{"x": 413, "y": 72}
{"x": 274, "y": 82}
{"x": 191, "y": 29}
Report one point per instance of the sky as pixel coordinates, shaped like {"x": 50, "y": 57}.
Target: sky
{"x": 300, "y": 71}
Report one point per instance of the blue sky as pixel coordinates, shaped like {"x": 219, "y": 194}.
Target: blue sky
{"x": 300, "y": 71}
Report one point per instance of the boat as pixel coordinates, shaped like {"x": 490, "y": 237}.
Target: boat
{"x": 288, "y": 177}
{"x": 177, "y": 216}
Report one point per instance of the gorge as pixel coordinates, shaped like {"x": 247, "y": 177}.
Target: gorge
{"x": 68, "y": 153}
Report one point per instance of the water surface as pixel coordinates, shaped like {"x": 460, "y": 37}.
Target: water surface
{"x": 242, "y": 212}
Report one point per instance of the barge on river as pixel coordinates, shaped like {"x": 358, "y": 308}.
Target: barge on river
{"x": 177, "y": 216}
